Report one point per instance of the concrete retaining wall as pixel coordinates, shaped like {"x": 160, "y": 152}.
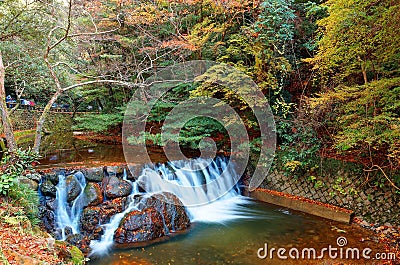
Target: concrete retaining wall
{"x": 302, "y": 205}
{"x": 373, "y": 203}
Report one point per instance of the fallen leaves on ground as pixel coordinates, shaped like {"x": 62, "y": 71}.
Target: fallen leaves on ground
{"x": 20, "y": 245}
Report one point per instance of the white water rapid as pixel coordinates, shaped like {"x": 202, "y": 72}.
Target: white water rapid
{"x": 68, "y": 215}
{"x": 207, "y": 187}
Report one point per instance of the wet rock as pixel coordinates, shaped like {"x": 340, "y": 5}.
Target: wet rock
{"x": 139, "y": 226}
{"x": 51, "y": 203}
{"x": 93, "y": 194}
{"x": 79, "y": 241}
{"x": 93, "y": 216}
{"x": 171, "y": 209}
{"x": 68, "y": 231}
{"x": 47, "y": 217}
{"x": 116, "y": 187}
{"x": 73, "y": 188}
{"x": 119, "y": 172}
{"x": 34, "y": 176}
{"x": 48, "y": 189}
{"x": 94, "y": 174}
{"x": 53, "y": 177}
{"x": 30, "y": 183}
{"x": 90, "y": 219}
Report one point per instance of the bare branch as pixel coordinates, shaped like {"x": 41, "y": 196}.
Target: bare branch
{"x": 122, "y": 83}
{"x": 384, "y": 174}
{"x": 50, "y": 47}
{"x": 76, "y": 71}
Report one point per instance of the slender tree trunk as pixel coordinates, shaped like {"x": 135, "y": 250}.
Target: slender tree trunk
{"x": 364, "y": 73}
{"x": 42, "y": 119}
{"x": 363, "y": 69}
{"x": 47, "y": 108}
{"x": 7, "y": 127}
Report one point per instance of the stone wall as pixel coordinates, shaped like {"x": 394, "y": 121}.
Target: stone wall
{"x": 26, "y": 120}
{"x": 341, "y": 187}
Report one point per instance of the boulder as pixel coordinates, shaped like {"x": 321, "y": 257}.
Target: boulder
{"x": 47, "y": 218}
{"x": 93, "y": 216}
{"x": 53, "y": 177}
{"x": 50, "y": 203}
{"x": 79, "y": 241}
{"x": 93, "y": 194}
{"x": 94, "y": 174}
{"x": 139, "y": 226}
{"x": 47, "y": 188}
{"x": 119, "y": 171}
{"x": 73, "y": 188}
{"x": 171, "y": 209}
{"x": 115, "y": 187}
{"x": 30, "y": 183}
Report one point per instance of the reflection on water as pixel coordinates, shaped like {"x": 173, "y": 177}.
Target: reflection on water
{"x": 237, "y": 242}
{"x": 64, "y": 150}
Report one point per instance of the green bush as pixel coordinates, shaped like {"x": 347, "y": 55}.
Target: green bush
{"x": 297, "y": 154}
{"x": 13, "y": 165}
{"x": 363, "y": 120}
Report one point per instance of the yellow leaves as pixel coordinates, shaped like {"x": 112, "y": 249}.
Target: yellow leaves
{"x": 292, "y": 165}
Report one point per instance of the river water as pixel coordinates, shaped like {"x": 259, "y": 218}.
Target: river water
{"x": 221, "y": 240}
{"x": 238, "y": 241}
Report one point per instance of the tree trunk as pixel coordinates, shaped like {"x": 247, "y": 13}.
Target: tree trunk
{"x": 364, "y": 72}
{"x": 42, "y": 119}
{"x": 8, "y": 131}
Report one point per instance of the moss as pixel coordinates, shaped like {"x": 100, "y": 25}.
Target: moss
{"x": 77, "y": 256}
{"x": 69, "y": 253}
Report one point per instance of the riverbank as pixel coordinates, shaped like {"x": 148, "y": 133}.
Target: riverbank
{"x": 22, "y": 243}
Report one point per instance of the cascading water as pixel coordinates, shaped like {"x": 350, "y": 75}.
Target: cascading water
{"x": 209, "y": 194}
{"x": 207, "y": 188}
{"x": 67, "y": 216}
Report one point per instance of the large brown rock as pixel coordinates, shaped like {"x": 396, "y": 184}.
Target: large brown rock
{"x": 115, "y": 187}
{"x": 73, "y": 188}
{"x": 139, "y": 226}
{"x": 157, "y": 215}
{"x": 171, "y": 209}
{"x": 93, "y": 216}
{"x": 93, "y": 194}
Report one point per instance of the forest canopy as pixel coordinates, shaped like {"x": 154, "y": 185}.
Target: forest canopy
{"x": 329, "y": 69}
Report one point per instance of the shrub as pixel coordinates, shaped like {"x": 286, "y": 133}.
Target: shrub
{"x": 13, "y": 165}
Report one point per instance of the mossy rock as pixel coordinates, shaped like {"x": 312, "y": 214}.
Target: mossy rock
{"x": 77, "y": 256}
{"x": 69, "y": 253}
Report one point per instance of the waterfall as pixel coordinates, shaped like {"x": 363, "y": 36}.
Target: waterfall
{"x": 190, "y": 182}
{"x": 208, "y": 188}
{"x": 107, "y": 239}
{"x": 67, "y": 216}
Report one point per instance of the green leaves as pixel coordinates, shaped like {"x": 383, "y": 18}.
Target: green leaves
{"x": 355, "y": 46}
{"x": 13, "y": 165}
{"x": 367, "y": 117}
